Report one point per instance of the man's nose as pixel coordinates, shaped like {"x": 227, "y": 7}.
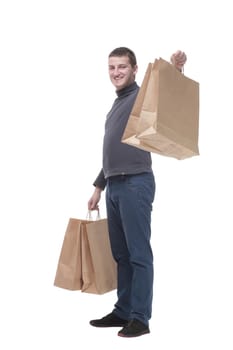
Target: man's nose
{"x": 116, "y": 71}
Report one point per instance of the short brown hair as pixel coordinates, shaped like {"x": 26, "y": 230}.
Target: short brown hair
{"x": 124, "y": 51}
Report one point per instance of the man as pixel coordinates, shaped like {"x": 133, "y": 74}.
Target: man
{"x": 130, "y": 188}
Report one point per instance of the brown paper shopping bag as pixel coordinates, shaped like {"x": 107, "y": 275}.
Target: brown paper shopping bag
{"x": 99, "y": 271}
{"x": 69, "y": 272}
{"x": 131, "y": 130}
{"x": 86, "y": 261}
{"x": 165, "y": 117}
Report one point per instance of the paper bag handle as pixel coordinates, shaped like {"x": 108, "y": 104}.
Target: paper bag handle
{"x": 89, "y": 215}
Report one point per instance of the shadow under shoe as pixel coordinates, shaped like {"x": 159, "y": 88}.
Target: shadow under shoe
{"x": 134, "y": 328}
{"x": 110, "y": 320}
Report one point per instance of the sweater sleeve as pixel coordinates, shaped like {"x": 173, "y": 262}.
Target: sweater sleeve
{"x": 100, "y": 181}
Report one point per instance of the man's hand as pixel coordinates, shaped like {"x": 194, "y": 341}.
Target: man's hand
{"x": 178, "y": 59}
{"x": 94, "y": 200}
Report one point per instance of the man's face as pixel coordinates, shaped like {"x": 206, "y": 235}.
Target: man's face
{"x": 121, "y": 72}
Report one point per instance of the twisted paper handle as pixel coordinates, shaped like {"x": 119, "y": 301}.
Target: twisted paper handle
{"x": 90, "y": 217}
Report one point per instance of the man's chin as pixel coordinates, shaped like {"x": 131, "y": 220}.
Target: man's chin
{"x": 119, "y": 86}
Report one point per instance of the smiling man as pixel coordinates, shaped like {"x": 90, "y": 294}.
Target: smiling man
{"x": 130, "y": 188}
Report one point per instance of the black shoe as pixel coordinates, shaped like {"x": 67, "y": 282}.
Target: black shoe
{"x": 111, "y": 320}
{"x": 134, "y": 328}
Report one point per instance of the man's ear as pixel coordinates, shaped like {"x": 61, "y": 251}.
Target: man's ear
{"x": 135, "y": 69}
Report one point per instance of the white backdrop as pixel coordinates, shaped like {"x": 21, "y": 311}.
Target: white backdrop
{"x": 55, "y": 93}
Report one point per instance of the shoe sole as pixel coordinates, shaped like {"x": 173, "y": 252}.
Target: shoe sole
{"x": 133, "y": 335}
{"x": 108, "y": 326}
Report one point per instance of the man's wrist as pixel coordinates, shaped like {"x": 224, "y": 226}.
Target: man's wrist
{"x": 98, "y": 189}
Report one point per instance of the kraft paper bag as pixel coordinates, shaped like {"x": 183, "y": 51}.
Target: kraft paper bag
{"x": 99, "y": 271}
{"x": 69, "y": 272}
{"x": 165, "y": 117}
{"x": 131, "y": 130}
{"x": 86, "y": 261}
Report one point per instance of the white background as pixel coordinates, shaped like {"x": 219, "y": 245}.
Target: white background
{"x": 55, "y": 93}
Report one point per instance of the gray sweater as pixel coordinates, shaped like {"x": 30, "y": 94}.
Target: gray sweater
{"x": 120, "y": 158}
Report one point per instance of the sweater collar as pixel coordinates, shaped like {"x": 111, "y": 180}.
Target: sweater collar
{"x": 127, "y": 90}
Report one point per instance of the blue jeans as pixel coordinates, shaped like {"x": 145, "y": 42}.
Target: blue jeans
{"x": 129, "y": 201}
